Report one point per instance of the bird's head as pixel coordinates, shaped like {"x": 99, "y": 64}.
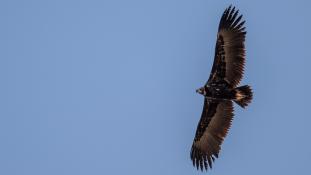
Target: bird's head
{"x": 201, "y": 91}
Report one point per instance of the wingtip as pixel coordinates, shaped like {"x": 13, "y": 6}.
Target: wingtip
{"x": 231, "y": 19}
{"x": 230, "y": 6}
{"x": 230, "y": 9}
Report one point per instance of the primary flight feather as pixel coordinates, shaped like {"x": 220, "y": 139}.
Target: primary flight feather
{"x": 221, "y": 90}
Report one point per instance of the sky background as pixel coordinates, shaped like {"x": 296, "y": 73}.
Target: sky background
{"x": 108, "y": 87}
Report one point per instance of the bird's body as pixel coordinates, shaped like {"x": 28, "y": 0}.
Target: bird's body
{"x": 221, "y": 90}
{"x": 217, "y": 91}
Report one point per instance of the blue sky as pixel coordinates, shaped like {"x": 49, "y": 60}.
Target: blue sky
{"x": 108, "y": 87}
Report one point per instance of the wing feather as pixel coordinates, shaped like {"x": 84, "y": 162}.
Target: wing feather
{"x": 212, "y": 128}
{"x": 230, "y": 49}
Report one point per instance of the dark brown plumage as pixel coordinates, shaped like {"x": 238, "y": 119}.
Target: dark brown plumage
{"x": 221, "y": 89}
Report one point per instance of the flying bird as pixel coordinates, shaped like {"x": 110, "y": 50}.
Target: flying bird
{"x": 221, "y": 90}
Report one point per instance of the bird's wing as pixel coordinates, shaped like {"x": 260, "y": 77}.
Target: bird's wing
{"x": 230, "y": 50}
{"x": 213, "y": 127}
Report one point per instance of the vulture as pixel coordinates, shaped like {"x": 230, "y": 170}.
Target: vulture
{"x": 221, "y": 90}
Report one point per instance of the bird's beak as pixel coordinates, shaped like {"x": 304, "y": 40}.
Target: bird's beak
{"x": 197, "y": 91}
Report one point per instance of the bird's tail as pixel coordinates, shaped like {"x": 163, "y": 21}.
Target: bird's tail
{"x": 243, "y": 95}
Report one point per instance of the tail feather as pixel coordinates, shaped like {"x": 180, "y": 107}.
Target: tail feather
{"x": 243, "y": 95}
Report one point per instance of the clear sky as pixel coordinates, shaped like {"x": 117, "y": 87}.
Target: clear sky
{"x": 108, "y": 87}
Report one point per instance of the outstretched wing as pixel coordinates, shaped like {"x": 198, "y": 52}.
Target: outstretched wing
{"x": 213, "y": 127}
{"x": 230, "y": 50}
